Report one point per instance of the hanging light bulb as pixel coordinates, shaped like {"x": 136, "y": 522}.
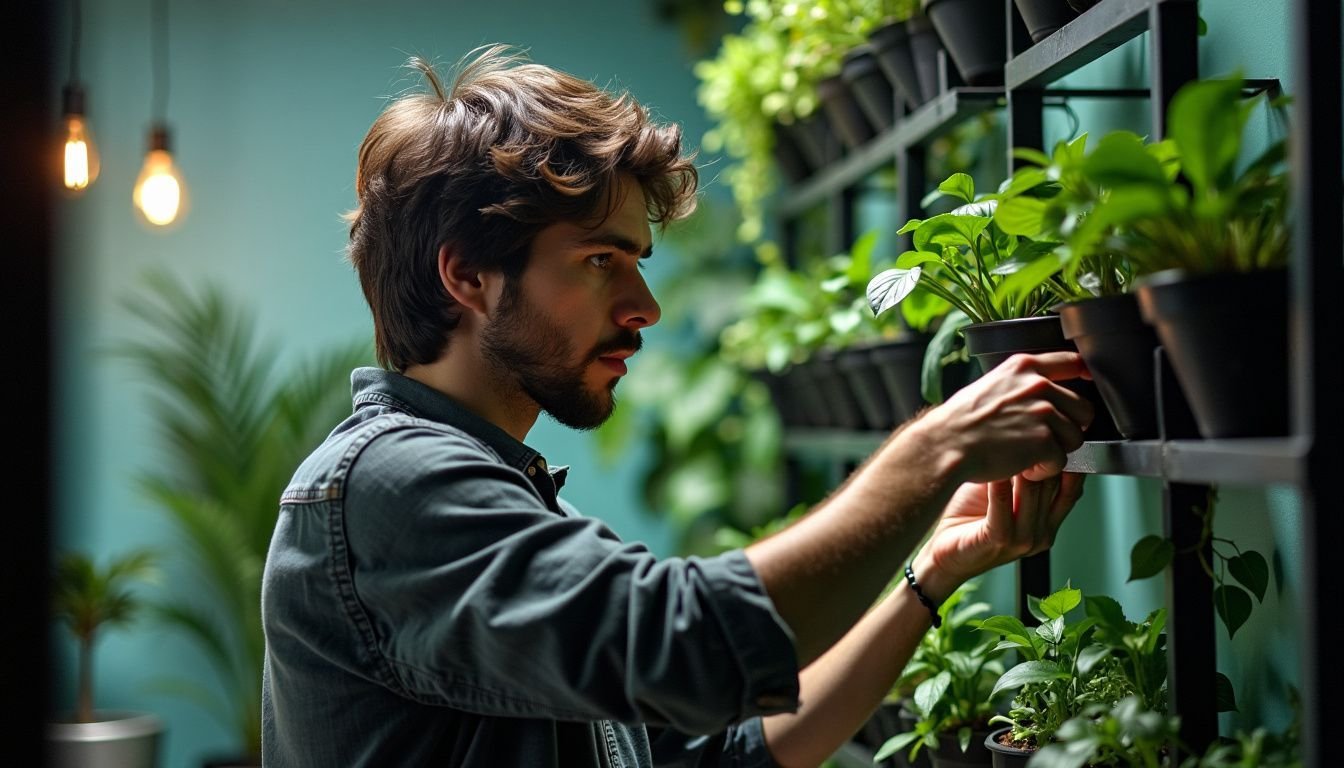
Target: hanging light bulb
{"x": 81, "y": 157}
{"x": 159, "y": 195}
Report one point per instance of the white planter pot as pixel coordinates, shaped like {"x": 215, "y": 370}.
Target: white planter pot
{"x": 115, "y": 740}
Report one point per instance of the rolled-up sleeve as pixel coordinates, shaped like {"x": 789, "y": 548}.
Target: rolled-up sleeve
{"x": 478, "y": 596}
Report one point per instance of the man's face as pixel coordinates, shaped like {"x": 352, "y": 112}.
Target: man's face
{"x": 563, "y": 329}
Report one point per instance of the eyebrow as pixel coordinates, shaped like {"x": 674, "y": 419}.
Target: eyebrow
{"x": 612, "y": 240}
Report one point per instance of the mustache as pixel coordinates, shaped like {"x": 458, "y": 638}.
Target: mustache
{"x": 625, "y": 340}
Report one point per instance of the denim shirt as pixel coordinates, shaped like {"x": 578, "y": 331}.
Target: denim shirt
{"x": 429, "y": 600}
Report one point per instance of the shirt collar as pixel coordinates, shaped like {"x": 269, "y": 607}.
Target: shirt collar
{"x": 376, "y": 386}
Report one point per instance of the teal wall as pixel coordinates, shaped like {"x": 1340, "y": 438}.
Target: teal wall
{"x": 269, "y": 101}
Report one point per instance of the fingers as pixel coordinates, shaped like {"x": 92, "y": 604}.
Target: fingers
{"x": 1070, "y": 491}
{"x": 1058, "y": 366}
{"x": 999, "y": 512}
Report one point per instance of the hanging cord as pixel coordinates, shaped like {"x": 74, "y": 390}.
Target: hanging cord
{"x": 76, "y": 29}
{"x": 159, "y": 60}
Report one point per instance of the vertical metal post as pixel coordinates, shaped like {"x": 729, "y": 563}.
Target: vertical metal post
{"x": 1174, "y": 54}
{"x": 1317, "y": 276}
{"x": 840, "y": 208}
{"x": 1191, "y": 662}
{"x": 912, "y": 170}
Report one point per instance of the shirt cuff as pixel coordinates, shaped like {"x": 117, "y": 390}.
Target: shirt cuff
{"x": 761, "y": 642}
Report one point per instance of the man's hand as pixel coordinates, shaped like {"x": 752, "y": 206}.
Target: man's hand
{"x": 989, "y": 524}
{"x": 1014, "y": 419}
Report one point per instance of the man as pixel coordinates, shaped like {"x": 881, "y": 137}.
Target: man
{"x": 429, "y": 600}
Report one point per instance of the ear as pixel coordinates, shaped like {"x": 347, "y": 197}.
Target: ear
{"x": 463, "y": 282}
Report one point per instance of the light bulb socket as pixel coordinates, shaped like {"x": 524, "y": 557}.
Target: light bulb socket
{"x": 158, "y": 138}
{"x": 73, "y": 100}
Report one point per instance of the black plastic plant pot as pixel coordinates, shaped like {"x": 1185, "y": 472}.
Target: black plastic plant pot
{"x": 994, "y": 342}
{"x": 1082, "y": 5}
{"x": 949, "y": 754}
{"x": 840, "y": 400}
{"x": 899, "y": 363}
{"x": 870, "y": 87}
{"x": 865, "y": 381}
{"x": 1044, "y": 17}
{"x": 812, "y": 136}
{"x": 789, "y": 156}
{"x": 1226, "y": 335}
{"x": 780, "y": 396}
{"x": 891, "y": 47}
{"x": 1117, "y": 346}
{"x": 1004, "y": 755}
{"x": 975, "y": 33}
{"x": 925, "y": 47}
{"x": 843, "y": 111}
{"x": 809, "y": 404}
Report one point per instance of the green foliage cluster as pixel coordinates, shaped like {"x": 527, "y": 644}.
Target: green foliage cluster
{"x": 233, "y": 430}
{"x": 1068, "y": 667}
{"x": 767, "y": 74}
{"x": 952, "y": 673}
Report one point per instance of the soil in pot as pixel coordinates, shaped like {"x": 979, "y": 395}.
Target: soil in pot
{"x": 870, "y": 87}
{"x": 975, "y": 33}
{"x": 1007, "y": 753}
{"x": 1227, "y": 338}
{"x": 994, "y": 342}
{"x": 1044, "y": 17}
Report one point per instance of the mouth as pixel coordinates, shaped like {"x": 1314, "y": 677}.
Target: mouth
{"x": 616, "y": 361}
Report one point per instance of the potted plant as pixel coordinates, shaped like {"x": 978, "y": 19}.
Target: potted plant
{"x": 234, "y": 431}
{"x": 1205, "y": 251}
{"x": 1055, "y": 199}
{"x": 88, "y": 599}
{"x": 1044, "y": 17}
{"x": 1002, "y": 284}
{"x": 1068, "y": 666}
{"x": 955, "y": 698}
{"x": 906, "y": 47}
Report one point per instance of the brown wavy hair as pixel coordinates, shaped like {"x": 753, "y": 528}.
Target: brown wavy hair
{"x": 511, "y": 148}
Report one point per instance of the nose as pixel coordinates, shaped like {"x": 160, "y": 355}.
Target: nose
{"x": 636, "y": 308}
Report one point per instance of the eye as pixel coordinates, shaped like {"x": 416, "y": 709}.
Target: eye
{"x": 600, "y": 260}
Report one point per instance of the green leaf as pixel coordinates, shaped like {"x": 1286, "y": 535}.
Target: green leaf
{"x": 1121, "y": 159}
{"x": 930, "y": 692}
{"x": 1021, "y": 216}
{"x": 1225, "y": 695}
{"x": 1205, "y": 122}
{"x": 1233, "y": 605}
{"x": 1061, "y": 602}
{"x": 1052, "y": 631}
{"x": 1149, "y": 557}
{"x": 958, "y": 185}
{"x": 1008, "y": 627}
{"x": 1090, "y": 656}
{"x": 931, "y": 374}
{"x": 1034, "y": 608}
{"x": 889, "y": 288}
{"x": 909, "y": 226}
{"x": 964, "y": 737}
{"x": 895, "y": 744}
{"x": 1251, "y": 569}
{"x": 1029, "y": 672}
{"x": 949, "y": 229}
{"x": 1031, "y": 155}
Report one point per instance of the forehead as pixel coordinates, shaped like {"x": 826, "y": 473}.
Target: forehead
{"x": 625, "y": 226}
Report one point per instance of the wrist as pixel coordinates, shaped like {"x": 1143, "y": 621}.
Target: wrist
{"x": 937, "y": 450}
{"x": 936, "y": 582}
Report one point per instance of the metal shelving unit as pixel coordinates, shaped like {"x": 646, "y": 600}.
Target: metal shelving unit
{"x": 1186, "y": 467}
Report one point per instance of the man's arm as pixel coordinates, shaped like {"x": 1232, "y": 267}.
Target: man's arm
{"x": 841, "y": 689}
{"x": 823, "y": 572}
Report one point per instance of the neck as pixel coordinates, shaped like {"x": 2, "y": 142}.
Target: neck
{"x": 477, "y": 385}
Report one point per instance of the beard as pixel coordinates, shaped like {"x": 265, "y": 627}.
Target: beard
{"x": 522, "y": 343}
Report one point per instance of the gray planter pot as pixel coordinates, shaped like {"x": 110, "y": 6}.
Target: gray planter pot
{"x": 118, "y": 740}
